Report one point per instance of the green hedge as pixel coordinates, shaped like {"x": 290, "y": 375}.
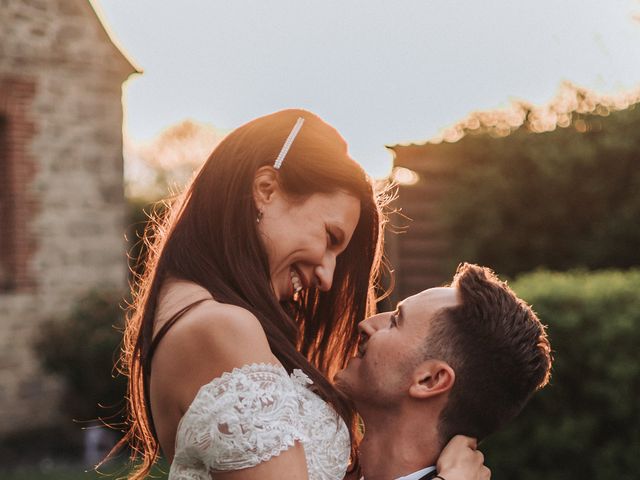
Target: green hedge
{"x": 82, "y": 349}
{"x": 556, "y": 200}
{"x": 586, "y": 423}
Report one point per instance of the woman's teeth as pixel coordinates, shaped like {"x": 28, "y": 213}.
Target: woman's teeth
{"x": 295, "y": 280}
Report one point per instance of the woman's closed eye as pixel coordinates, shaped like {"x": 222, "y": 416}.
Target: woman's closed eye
{"x": 333, "y": 240}
{"x": 393, "y": 320}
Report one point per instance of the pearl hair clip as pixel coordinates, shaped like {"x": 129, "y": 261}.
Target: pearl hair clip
{"x": 287, "y": 144}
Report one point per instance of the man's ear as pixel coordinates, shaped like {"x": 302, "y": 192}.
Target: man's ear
{"x": 265, "y": 186}
{"x": 431, "y": 378}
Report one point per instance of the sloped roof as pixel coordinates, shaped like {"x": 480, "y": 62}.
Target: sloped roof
{"x": 128, "y": 64}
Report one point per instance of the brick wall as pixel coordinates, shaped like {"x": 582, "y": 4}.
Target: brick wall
{"x": 18, "y": 205}
{"x": 60, "y": 96}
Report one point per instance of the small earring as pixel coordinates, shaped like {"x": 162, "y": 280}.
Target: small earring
{"x": 260, "y": 215}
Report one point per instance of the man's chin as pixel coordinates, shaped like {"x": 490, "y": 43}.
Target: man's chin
{"x": 341, "y": 382}
{"x": 344, "y": 380}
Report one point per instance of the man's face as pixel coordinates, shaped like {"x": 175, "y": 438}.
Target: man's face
{"x": 391, "y": 345}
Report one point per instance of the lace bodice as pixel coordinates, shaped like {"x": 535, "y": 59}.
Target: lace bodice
{"x": 252, "y": 414}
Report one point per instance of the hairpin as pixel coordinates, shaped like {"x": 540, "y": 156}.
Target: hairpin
{"x": 287, "y": 144}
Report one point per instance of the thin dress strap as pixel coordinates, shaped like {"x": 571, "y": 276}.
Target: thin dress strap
{"x": 146, "y": 362}
{"x": 165, "y": 328}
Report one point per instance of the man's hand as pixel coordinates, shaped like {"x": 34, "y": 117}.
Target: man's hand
{"x": 461, "y": 460}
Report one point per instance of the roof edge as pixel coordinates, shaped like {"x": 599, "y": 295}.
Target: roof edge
{"x": 97, "y": 10}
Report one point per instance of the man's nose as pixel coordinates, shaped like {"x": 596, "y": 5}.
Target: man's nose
{"x": 366, "y": 328}
{"x": 324, "y": 272}
{"x": 372, "y": 324}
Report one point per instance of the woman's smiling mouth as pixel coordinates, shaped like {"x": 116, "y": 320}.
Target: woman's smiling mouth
{"x": 296, "y": 281}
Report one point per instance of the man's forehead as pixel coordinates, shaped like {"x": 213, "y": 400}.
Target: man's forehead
{"x": 430, "y": 301}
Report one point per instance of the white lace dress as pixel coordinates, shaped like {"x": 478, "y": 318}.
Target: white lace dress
{"x": 252, "y": 414}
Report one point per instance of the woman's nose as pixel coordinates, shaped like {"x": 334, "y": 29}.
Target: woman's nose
{"x": 324, "y": 272}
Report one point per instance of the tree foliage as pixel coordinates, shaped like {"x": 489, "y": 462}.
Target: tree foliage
{"x": 586, "y": 423}
{"x": 561, "y": 199}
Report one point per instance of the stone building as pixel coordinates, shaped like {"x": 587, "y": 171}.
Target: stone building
{"x": 61, "y": 183}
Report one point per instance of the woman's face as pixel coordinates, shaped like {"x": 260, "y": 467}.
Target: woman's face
{"x": 304, "y": 238}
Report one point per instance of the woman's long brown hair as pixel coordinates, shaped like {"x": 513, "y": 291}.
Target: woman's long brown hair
{"x": 209, "y": 237}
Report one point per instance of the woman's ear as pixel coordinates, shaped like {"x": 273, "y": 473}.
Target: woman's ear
{"x": 265, "y": 186}
{"x": 432, "y": 378}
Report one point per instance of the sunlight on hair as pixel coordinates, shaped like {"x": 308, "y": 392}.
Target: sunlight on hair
{"x": 404, "y": 176}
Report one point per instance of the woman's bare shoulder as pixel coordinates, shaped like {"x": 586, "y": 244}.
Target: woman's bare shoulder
{"x": 214, "y": 324}
{"x": 208, "y": 340}
{"x": 207, "y": 322}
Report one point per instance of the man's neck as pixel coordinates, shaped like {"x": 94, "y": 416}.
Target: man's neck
{"x": 397, "y": 445}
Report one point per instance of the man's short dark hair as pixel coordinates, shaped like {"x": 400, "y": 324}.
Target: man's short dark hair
{"x": 498, "y": 349}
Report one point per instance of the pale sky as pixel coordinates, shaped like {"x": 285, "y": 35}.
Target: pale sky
{"x": 381, "y": 72}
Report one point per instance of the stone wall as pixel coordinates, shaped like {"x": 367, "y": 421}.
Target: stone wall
{"x": 76, "y": 223}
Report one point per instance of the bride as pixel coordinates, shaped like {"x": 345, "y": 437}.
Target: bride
{"x": 255, "y": 282}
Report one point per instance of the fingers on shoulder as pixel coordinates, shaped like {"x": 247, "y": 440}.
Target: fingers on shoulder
{"x": 485, "y": 474}
{"x": 463, "y": 441}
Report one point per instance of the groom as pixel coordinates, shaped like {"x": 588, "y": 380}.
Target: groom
{"x": 463, "y": 359}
